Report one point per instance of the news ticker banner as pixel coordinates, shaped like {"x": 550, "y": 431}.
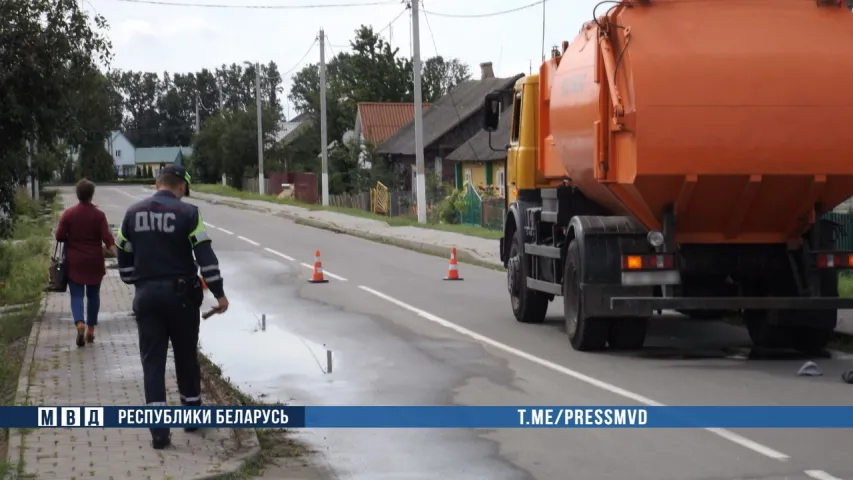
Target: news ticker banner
{"x": 427, "y": 417}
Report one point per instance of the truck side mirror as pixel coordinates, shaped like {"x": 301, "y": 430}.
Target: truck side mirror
{"x": 492, "y": 111}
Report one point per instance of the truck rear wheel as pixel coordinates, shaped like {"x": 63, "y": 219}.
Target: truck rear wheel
{"x": 789, "y": 331}
{"x": 528, "y": 306}
{"x": 585, "y": 334}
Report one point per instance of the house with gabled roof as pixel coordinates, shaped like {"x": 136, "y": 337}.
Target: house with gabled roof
{"x": 447, "y": 124}
{"x": 159, "y": 157}
{"x": 376, "y": 122}
{"x": 482, "y": 158}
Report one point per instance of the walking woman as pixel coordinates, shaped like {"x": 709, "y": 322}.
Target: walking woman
{"x": 85, "y": 231}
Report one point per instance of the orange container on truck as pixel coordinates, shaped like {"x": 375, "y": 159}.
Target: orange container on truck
{"x": 679, "y": 155}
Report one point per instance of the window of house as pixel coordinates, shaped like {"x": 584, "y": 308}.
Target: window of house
{"x": 118, "y": 153}
{"x": 502, "y": 182}
{"x": 468, "y": 176}
{"x": 516, "y": 118}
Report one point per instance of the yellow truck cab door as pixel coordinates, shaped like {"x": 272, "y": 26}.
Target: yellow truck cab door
{"x": 513, "y": 151}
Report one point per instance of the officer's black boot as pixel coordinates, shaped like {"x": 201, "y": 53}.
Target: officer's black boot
{"x": 160, "y": 438}
{"x": 195, "y": 403}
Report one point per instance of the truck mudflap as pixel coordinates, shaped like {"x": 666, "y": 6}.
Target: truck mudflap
{"x": 730, "y": 303}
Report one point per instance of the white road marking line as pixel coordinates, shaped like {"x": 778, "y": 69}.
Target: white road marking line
{"x": 209, "y": 225}
{"x": 249, "y": 240}
{"x": 229, "y": 232}
{"x": 723, "y": 433}
{"x": 125, "y": 193}
{"x": 286, "y": 257}
{"x": 326, "y": 272}
{"x": 820, "y": 475}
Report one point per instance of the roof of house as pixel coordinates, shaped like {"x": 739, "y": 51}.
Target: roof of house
{"x": 381, "y": 120}
{"x": 477, "y": 147}
{"x": 117, "y": 133}
{"x": 160, "y": 154}
{"x": 446, "y": 114}
{"x": 305, "y": 121}
{"x": 299, "y": 118}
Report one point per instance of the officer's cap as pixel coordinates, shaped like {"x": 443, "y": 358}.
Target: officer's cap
{"x": 178, "y": 171}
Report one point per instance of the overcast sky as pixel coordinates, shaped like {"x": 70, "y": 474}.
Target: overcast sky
{"x": 158, "y": 37}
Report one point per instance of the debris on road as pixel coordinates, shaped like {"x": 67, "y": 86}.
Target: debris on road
{"x": 847, "y": 377}
{"x": 810, "y": 369}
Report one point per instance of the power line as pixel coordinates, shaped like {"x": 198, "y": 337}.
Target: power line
{"x": 484, "y": 15}
{"x": 167, "y": 3}
{"x": 295, "y": 66}
{"x": 392, "y": 22}
{"x": 329, "y": 44}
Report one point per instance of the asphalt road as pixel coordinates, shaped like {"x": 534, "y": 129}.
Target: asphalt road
{"x": 402, "y": 335}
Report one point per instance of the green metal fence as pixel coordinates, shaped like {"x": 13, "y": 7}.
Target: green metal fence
{"x": 844, "y": 241}
{"x": 472, "y": 214}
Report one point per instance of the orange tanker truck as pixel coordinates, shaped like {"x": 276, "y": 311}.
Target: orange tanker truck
{"x": 679, "y": 155}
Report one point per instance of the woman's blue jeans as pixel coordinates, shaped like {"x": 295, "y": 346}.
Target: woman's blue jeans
{"x": 93, "y": 302}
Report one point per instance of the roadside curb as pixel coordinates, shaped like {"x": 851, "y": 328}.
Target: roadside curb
{"x": 15, "y": 449}
{"x": 428, "y": 248}
{"x": 236, "y": 465}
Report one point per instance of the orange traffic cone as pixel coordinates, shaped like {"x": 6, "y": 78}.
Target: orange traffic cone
{"x": 453, "y": 269}
{"x": 203, "y": 284}
{"x": 318, "y": 277}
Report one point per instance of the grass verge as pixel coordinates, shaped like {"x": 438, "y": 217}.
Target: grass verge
{"x": 392, "y": 221}
{"x": 276, "y": 444}
{"x": 845, "y": 285}
{"x": 24, "y": 260}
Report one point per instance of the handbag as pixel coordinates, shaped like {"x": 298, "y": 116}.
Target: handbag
{"x": 58, "y": 270}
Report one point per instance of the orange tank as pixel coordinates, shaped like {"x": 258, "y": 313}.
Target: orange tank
{"x": 735, "y": 114}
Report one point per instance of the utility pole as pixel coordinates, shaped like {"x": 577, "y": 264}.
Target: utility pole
{"x": 260, "y": 130}
{"x": 419, "y": 114}
{"x": 323, "y": 133}
{"x": 221, "y": 108}
{"x": 32, "y": 170}
{"x": 197, "y": 121}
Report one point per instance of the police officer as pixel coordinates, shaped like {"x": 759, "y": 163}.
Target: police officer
{"x": 156, "y": 243}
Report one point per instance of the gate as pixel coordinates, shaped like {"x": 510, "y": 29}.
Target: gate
{"x": 472, "y": 214}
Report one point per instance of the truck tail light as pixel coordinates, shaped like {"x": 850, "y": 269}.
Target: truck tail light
{"x": 834, "y": 260}
{"x": 648, "y": 262}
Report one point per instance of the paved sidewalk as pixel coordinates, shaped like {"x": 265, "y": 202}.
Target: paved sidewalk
{"x": 470, "y": 249}
{"x": 106, "y": 373}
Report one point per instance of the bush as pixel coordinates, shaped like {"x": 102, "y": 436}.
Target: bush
{"x": 451, "y": 207}
{"x": 24, "y": 260}
{"x": 26, "y": 206}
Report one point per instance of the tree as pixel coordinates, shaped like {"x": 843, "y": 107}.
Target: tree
{"x": 227, "y": 143}
{"x": 372, "y": 72}
{"x": 440, "y": 77}
{"x": 48, "y": 54}
{"x": 96, "y": 163}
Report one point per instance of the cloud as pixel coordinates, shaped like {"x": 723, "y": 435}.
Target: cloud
{"x": 165, "y": 44}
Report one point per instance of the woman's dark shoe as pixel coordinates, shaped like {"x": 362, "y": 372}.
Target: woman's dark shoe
{"x": 159, "y": 442}
{"x": 81, "y": 333}
{"x": 90, "y": 335}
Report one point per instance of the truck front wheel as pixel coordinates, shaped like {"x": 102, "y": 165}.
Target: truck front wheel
{"x": 585, "y": 334}
{"x": 528, "y": 306}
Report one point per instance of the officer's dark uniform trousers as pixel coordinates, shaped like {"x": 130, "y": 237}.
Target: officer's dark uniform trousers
{"x": 156, "y": 244}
